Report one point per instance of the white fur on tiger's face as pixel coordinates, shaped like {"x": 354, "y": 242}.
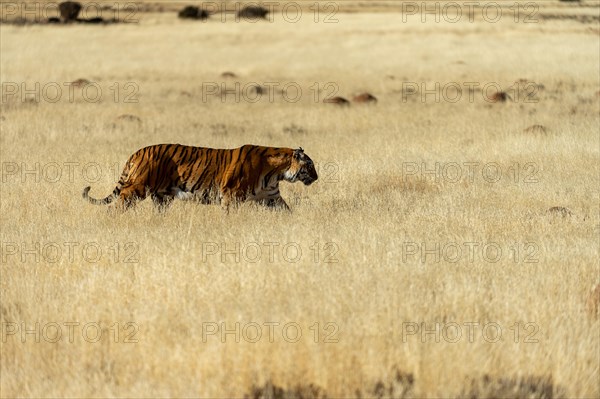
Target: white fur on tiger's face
{"x": 302, "y": 169}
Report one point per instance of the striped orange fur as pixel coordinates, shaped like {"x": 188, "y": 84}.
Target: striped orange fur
{"x": 225, "y": 176}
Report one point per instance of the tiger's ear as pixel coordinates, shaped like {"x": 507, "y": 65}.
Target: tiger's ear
{"x": 298, "y": 152}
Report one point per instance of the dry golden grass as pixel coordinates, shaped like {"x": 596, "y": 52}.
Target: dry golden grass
{"x": 367, "y": 212}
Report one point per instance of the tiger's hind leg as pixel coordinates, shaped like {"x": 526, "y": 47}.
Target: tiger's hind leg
{"x": 161, "y": 201}
{"x": 130, "y": 196}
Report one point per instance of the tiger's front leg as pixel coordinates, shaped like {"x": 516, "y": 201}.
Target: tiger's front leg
{"x": 229, "y": 197}
{"x": 225, "y": 203}
{"x": 275, "y": 203}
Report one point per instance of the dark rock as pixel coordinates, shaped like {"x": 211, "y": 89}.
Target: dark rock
{"x": 69, "y": 10}
{"x": 367, "y": 98}
{"x": 192, "y": 12}
{"x": 341, "y": 101}
{"x": 253, "y": 12}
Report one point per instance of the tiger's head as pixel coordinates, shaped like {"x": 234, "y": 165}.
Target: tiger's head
{"x": 301, "y": 168}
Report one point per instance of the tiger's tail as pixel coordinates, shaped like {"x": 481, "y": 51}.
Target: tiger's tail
{"x": 113, "y": 196}
{"x": 104, "y": 201}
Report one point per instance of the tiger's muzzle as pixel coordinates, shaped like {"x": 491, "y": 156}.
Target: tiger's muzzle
{"x": 308, "y": 175}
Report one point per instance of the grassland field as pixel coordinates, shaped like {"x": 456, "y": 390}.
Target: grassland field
{"x": 424, "y": 262}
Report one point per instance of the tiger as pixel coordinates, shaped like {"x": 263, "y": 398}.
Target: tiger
{"x": 208, "y": 175}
